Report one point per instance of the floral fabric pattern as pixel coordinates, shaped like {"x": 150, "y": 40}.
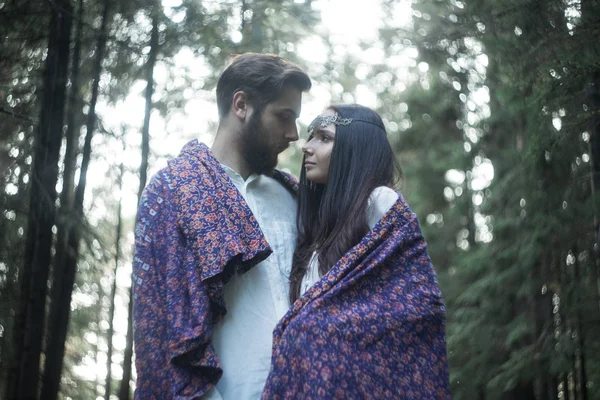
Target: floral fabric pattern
{"x": 373, "y": 327}
{"x": 194, "y": 230}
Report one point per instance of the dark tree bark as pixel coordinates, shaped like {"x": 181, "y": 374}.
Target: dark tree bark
{"x": 96, "y": 347}
{"x": 566, "y": 303}
{"x": 68, "y": 244}
{"x": 124, "y": 390}
{"x": 42, "y": 213}
{"x": 244, "y": 8}
{"x": 590, "y": 10}
{"x": 565, "y": 387}
{"x": 111, "y": 311}
{"x": 524, "y": 391}
{"x": 543, "y": 326}
{"x": 66, "y": 195}
{"x": 582, "y": 384}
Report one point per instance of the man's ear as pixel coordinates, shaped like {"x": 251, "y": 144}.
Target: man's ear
{"x": 240, "y": 105}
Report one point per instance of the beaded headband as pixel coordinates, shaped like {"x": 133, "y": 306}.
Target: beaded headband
{"x": 335, "y": 119}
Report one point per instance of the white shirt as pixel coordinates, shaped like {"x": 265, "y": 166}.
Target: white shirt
{"x": 258, "y": 299}
{"x": 380, "y": 201}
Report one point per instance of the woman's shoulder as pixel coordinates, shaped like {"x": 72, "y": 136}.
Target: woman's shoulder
{"x": 384, "y": 192}
{"x": 383, "y": 196}
{"x": 381, "y": 200}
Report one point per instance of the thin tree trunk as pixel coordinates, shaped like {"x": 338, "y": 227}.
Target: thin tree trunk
{"x": 524, "y": 391}
{"x": 576, "y": 391}
{"x": 542, "y": 317}
{"x": 111, "y": 311}
{"x": 580, "y": 334}
{"x": 553, "y": 388}
{"x": 590, "y": 10}
{"x": 565, "y": 387}
{"x": 124, "y": 390}
{"x": 594, "y": 95}
{"x": 471, "y": 228}
{"x": 68, "y": 248}
{"x": 66, "y": 195}
{"x": 481, "y": 393}
{"x": 96, "y": 342}
{"x": 30, "y": 326}
{"x": 566, "y": 304}
{"x": 542, "y": 314}
{"x": 595, "y": 268}
{"x": 244, "y": 8}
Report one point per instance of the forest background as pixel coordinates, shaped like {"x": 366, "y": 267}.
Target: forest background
{"x": 492, "y": 107}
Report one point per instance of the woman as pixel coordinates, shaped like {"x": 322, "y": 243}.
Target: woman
{"x": 367, "y": 319}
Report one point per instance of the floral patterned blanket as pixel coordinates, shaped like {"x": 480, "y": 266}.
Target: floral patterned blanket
{"x": 372, "y": 328}
{"x": 194, "y": 230}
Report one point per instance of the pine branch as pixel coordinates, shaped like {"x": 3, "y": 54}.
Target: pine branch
{"x": 18, "y": 115}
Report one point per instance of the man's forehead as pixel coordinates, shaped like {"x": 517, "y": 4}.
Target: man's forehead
{"x": 285, "y": 108}
{"x": 290, "y": 99}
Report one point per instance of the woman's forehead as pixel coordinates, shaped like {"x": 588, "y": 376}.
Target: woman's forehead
{"x": 322, "y": 123}
{"x": 319, "y": 119}
{"x": 328, "y": 121}
{"x": 327, "y": 112}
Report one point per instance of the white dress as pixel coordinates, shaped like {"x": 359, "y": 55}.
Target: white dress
{"x": 380, "y": 201}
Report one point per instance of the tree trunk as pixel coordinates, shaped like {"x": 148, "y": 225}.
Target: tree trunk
{"x": 124, "y": 391}
{"x": 111, "y": 311}
{"x": 542, "y": 311}
{"x": 30, "y": 326}
{"x": 96, "y": 347}
{"x": 590, "y": 17}
{"x": 481, "y": 393}
{"x": 524, "y": 391}
{"x": 583, "y": 393}
{"x": 543, "y": 322}
{"x": 244, "y": 8}
{"x": 68, "y": 247}
{"x": 566, "y": 304}
{"x": 66, "y": 195}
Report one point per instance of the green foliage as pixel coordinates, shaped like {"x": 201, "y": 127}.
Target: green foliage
{"x": 524, "y": 290}
{"x": 464, "y": 87}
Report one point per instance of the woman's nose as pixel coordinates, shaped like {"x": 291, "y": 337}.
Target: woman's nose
{"x": 306, "y": 149}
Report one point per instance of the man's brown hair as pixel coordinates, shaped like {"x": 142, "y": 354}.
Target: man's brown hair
{"x": 261, "y": 77}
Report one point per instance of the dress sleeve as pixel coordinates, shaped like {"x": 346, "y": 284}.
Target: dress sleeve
{"x": 380, "y": 201}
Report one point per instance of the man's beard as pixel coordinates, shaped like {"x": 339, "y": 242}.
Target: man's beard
{"x": 256, "y": 148}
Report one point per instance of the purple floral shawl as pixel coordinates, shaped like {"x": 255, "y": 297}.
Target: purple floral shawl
{"x": 194, "y": 231}
{"x": 371, "y": 328}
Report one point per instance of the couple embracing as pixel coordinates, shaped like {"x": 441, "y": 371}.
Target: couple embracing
{"x": 250, "y": 284}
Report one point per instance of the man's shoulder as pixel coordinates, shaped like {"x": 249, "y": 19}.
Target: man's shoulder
{"x": 287, "y": 180}
{"x": 157, "y": 184}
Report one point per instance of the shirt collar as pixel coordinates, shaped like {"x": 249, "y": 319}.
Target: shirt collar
{"x": 234, "y": 176}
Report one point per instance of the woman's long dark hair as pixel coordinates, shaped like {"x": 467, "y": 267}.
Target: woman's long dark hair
{"x": 332, "y": 217}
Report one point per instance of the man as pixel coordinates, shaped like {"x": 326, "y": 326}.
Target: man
{"x": 215, "y": 236}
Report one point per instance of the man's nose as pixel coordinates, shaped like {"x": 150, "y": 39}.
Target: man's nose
{"x": 292, "y": 134}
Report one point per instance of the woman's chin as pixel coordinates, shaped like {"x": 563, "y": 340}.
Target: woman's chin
{"x": 315, "y": 179}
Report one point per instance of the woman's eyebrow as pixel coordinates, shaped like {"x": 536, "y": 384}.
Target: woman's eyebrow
{"x": 321, "y": 131}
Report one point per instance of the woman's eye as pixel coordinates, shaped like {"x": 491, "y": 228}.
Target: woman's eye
{"x": 326, "y": 138}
